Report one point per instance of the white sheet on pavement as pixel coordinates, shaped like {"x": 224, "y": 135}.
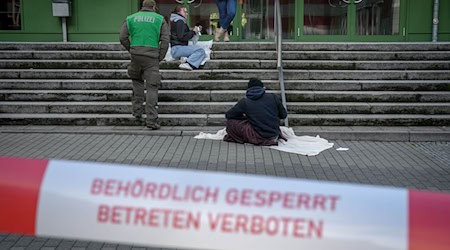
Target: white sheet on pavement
{"x": 304, "y": 145}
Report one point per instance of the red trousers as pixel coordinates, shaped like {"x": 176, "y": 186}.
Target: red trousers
{"x": 241, "y": 131}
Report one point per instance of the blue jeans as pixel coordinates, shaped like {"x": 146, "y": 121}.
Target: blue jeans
{"x": 194, "y": 54}
{"x": 227, "y": 11}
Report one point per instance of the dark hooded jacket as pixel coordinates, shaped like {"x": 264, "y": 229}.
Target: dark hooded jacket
{"x": 263, "y": 110}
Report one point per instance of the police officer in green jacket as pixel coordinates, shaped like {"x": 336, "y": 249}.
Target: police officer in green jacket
{"x": 145, "y": 34}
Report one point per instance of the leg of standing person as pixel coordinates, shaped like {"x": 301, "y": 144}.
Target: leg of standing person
{"x": 152, "y": 78}
{"x": 222, "y": 7}
{"x": 195, "y": 55}
{"x": 137, "y": 98}
{"x": 226, "y": 35}
{"x": 231, "y": 12}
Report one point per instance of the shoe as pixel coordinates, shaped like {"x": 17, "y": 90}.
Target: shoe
{"x": 185, "y": 66}
{"x": 183, "y": 59}
{"x": 226, "y": 37}
{"x": 219, "y": 33}
{"x": 153, "y": 126}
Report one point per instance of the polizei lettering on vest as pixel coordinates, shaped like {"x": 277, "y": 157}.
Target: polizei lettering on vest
{"x": 144, "y": 19}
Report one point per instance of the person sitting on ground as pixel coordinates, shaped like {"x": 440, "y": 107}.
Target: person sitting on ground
{"x": 191, "y": 56}
{"x": 256, "y": 118}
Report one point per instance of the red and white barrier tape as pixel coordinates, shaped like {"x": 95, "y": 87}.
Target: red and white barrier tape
{"x": 193, "y": 209}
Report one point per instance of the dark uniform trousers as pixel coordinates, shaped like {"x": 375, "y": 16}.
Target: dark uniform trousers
{"x": 144, "y": 73}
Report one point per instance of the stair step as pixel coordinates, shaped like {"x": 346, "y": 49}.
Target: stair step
{"x": 225, "y": 95}
{"x": 219, "y": 120}
{"x": 336, "y": 46}
{"x": 101, "y": 119}
{"x": 113, "y": 107}
{"x": 113, "y": 95}
{"x": 389, "y": 46}
{"x": 233, "y": 64}
{"x": 222, "y": 107}
{"x": 365, "y": 55}
{"x": 368, "y": 120}
{"x": 367, "y": 108}
{"x": 65, "y": 46}
{"x": 234, "y": 55}
{"x": 334, "y": 55}
{"x": 257, "y": 46}
{"x": 64, "y": 55}
{"x": 64, "y": 64}
{"x": 65, "y": 84}
{"x": 368, "y": 96}
{"x": 231, "y": 74}
{"x": 65, "y": 107}
{"x": 364, "y": 65}
{"x": 125, "y": 84}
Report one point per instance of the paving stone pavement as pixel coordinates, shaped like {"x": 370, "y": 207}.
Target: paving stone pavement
{"x": 419, "y": 165}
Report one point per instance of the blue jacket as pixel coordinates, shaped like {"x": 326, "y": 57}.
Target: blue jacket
{"x": 263, "y": 110}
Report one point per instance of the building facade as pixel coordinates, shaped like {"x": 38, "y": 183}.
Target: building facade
{"x": 303, "y": 20}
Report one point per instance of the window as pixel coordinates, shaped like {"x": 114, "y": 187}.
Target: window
{"x": 376, "y": 17}
{"x": 10, "y": 15}
{"x": 325, "y": 17}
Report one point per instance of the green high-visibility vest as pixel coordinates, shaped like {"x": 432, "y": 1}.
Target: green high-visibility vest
{"x": 144, "y": 28}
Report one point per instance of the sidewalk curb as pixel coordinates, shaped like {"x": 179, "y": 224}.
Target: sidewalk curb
{"x": 403, "y": 134}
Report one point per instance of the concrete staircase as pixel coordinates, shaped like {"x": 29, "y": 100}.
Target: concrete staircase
{"x": 327, "y": 84}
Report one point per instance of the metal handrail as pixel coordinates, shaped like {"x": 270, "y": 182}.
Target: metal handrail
{"x": 434, "y": 37}
{"x": 278, "y": 44}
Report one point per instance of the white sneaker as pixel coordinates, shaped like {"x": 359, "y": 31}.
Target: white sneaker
{"x": 183, "y": 59}
{"x": 185, "y": 66}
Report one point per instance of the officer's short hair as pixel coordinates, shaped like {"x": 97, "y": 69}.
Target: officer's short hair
{"x": 148, "y": 3}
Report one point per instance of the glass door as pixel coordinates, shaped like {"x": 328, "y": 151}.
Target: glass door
{"x": 377, "y": 17}
{"x": 256, "y": 19}
{"x": 325, "y": 17}
{"x": 10, "y": 15}
{"x": 351, "y": 20}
